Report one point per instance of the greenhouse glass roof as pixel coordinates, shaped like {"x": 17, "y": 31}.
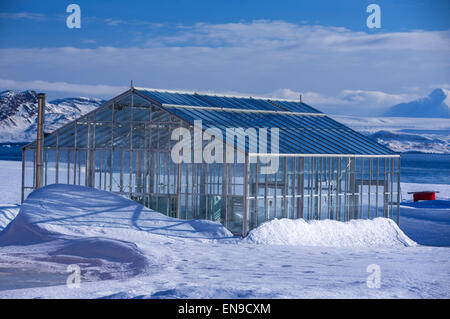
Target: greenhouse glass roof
{"x": 302, "y": 128}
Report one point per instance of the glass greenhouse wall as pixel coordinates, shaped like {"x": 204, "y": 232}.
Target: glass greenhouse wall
{"x": 326, "y": 187}
{"x": 125, "y": 147}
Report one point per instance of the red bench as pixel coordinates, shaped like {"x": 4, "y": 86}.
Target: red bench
{"x": 424, "y": 195}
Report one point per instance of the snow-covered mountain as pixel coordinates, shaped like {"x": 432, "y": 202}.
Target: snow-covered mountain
{"x": 437, "y": 104}
{"x": 404, "y": 134}
{"x": 18, "y": 113}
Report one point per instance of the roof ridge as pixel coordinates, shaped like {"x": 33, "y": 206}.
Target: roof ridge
{"x": 217, "y": 94}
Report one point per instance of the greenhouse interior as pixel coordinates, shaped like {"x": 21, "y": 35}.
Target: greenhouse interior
{"x": 132, "y": 145}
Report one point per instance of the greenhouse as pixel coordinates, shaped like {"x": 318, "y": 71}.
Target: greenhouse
{"x": 235, "y": 160}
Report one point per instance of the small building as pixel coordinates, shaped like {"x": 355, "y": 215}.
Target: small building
{"x": 239, "y": 161}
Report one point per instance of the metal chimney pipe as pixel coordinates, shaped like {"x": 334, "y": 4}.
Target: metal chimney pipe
{"x": 40, "y": 139}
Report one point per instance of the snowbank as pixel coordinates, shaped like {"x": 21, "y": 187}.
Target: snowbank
{"x": 379, "y": 232}
{"x": 106, "y": 234}
{"x": 426, "y": 222}
{"x": 73, "y": 210}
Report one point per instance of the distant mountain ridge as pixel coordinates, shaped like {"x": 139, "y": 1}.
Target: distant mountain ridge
{"x": 18, "y": 113}
{"x": 435, "y": 105}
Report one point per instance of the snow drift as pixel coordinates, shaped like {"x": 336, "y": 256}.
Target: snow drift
{"x": 379, "y": 232}
{"x": 61, "y": 209}
{"x": 104, "y": 232}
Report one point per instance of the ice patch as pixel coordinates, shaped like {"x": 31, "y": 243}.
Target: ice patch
{"x": 379, "y": 232}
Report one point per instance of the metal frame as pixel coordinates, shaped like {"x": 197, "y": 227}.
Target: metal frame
{"x": 125, "y": 145}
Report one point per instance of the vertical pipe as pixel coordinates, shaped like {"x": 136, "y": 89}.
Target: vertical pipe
{"x": 354, "y": 207}
{"x": 392, "y": 188}
{"x": 369, "y": 188}
{"x": 266, "y": 199}
{"x": 34, "y": 169}
{"x": 178, "y": 181}
{"x": 398, "y": 189}
{"x": 256, "y": 189}
{"x": 320, "y": 170}
{"x": 111, "y": 165}
{"x": 293, "y": 181}
{"x": 168, "y": 171}
{"x": 57, "y": 159}
{"x": 189, "y": 191}
{"x": 245, "y": 202}
{"x": 385, "y": 184}
{"x": 329, "y": 188}
{"x": 376, "y": 186}
{"x": 338, "y": 189}
{"x": 45, "y": 167}
{"x": 347, "y": 164}
{"x": 205, "y": 190}
{"x": 311, "y": 189}
{"x": 194, "y": 188}
{"x": 40, "y": 138}
{"x": 361, "y": 190}
{"x": 333, "y": 208}
{"x": 104, "y": 172}
{"x": 150, "y": 157}
{"x": 88, "y": 164}
{"x": 79, "y": 168}
{"x": 285, "y": 188}
{"x": 301, "y": 186}
{"x": 275, "y": 195}
{"x": 122, "y": 155}
{"x": 93, "y": 152}
{"x": 23, "y": 176}
{"x": 68, "y": 166}
{"x": 75, "y": 151}
{"x": 130, "y": 176}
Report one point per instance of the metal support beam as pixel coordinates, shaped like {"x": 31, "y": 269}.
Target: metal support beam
{"x": 398, "y": 190}
{"x": 40, "y": 138}
{"x": 22, "y": 198}
{"x": 245, "y": 203}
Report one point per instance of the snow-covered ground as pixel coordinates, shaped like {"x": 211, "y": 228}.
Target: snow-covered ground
{"x": 10, "y": 187}
{"x": 427, "y": 222}
{"x": 125, "y": 250}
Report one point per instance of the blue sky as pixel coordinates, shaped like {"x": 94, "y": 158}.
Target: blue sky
{"x": 321, "y": 49}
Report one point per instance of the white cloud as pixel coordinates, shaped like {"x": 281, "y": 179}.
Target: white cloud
{"x": 38, "y": 85}
{"x": 265, "y": 34}
{"x": 23, "y": 16}
{"x": 348, "y": 101}
{"x": 345, "y": 102}
{"x": 333, "y": 67}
